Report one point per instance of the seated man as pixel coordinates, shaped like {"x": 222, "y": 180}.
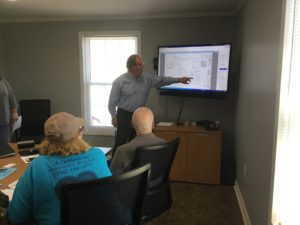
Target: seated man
{"x": 64, "y": 157}
{"x": 142, "y": 121}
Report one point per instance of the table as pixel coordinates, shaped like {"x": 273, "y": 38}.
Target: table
{"x": 20, "y": 166}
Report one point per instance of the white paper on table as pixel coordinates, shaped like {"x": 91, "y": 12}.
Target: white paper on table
{"x": 29, "y": 158}
{"x": 165, "y": 124}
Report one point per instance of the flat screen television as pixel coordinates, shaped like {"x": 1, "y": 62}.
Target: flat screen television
{"x": 208, "y": 65}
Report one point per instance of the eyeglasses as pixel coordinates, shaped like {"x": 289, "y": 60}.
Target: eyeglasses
{"x": 141, "y": 64}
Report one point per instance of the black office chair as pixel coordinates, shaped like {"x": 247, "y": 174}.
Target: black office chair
{"x": 116, "y": 200}
{"x": 158, "y": 197}
{"x": 34, "y": 113}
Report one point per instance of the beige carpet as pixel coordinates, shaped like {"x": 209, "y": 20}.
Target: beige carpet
{"x": 198, "y": 204}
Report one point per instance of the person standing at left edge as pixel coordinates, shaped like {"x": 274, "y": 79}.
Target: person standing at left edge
{"x": 8, "y": 110}
{"x": 129, "y": 92}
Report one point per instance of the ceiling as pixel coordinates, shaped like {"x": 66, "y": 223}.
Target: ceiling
{"x": 43, "y": 10}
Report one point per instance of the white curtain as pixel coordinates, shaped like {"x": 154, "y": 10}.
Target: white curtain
{"x": 286, "y": 196}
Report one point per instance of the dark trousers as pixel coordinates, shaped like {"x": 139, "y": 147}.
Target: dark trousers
{"x": 5, "y": 133}
{"x": 125, "y": 131}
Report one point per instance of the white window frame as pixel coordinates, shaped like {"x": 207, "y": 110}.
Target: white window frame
{"x": 84, "y": 77}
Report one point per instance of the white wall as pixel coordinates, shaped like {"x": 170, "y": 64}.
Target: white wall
{"x": 256, "y": 105}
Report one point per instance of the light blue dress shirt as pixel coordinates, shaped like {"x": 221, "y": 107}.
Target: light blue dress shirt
{"x": 129, "y": 92}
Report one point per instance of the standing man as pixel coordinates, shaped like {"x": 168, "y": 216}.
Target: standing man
{"x": 129, "y": 92}
{"x": 8, "y": 110}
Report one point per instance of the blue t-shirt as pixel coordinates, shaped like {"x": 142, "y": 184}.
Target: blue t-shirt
{"x": 37, "y": 192}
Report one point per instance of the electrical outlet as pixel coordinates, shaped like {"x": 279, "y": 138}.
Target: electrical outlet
{"x": 245, "y": 171}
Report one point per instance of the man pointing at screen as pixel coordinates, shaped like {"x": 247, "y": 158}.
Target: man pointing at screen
{"x": 129, "y": 92}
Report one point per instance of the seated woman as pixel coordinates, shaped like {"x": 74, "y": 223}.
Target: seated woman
{"x": 64, "y": 157}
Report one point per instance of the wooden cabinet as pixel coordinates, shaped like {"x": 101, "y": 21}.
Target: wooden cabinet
{"x": 198, "y": 158}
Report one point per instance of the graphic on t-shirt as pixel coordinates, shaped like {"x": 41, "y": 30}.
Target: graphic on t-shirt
{"x": 71, "y": 165}
{"x": 70, "y": 169}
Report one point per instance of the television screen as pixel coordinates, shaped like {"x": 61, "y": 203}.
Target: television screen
{"x": 208, "y": 65}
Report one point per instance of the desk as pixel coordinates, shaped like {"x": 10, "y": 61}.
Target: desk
{"x": 20, "y": 167}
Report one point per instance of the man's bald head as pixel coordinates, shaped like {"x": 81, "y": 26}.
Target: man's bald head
{"x": 142, "y": 120}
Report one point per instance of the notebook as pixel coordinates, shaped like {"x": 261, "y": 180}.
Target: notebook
{"x": 6, "y": 150}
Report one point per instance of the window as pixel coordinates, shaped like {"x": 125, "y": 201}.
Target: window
{"x": 104, "y": 56}
{"x": 286, "y": 195}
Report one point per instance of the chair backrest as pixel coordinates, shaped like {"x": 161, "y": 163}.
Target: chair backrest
{"x": 160, "y": 157}
{"x": 158, "y": 197}
{"x": 34, "y": 113}
{"x": 116, "y": 200}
